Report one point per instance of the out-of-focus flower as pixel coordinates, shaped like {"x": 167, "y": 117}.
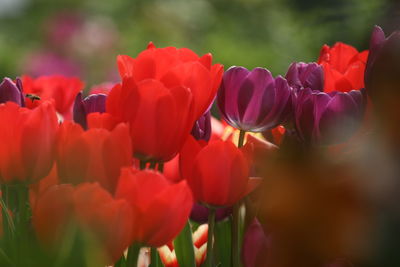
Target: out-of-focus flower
{"x": 163, "y": 92}
{"x": 12, "y": 91}
{"x": 200, "y": 213}
{"x": 88, "y": 206}
{"x": 202, "y": 127}
{"x": 59, "y": 89}
{"x": 343, "y": 67}
{"x": 217, "y": 173}
{"x": 275, "y": 135}
{"x": 153, "y": 199}
{"x": 103, "y": 88}
{"x": 255, "y": 246}
{"x": 305, "y": 75}
{"x": 328, "y": 118}
{"x": 176, "y": 68}
{"x": 254, "y": 100}
{"x": 47, "y": 63}
{"x": 382, "y": 81}
{"x": 95, "y": 155}
{"x": 28, "y": 138}
{"x": 82, "y": 107}
{"x": 167, "y": 252}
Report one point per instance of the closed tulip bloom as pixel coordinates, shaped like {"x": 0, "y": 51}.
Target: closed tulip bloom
{"x": 202, "y": 127}
{"x": 217, "y": 173}
{"x": 305, "y": 75}
{"x": 59, "y": 89}
{"x": 82, "y": 107}
{"x": 328, "y": 118}
{"x": 12, "y": 91}
{"x": 92, "y": 209}
{"x": 175, "y": 67}
{"x": 160, "y": 118}
{"x": 154, "y": 200}
{"x": 95, "y": 155}
{"x": 343, "y": 67}
{"x": 254, "y": 100}
{"x": 28, "y": 139}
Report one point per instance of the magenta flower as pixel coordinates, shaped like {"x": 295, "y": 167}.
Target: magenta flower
{"x": 202, "y": 127}
{"x": 92, "y": 103}
{"x": 254, "y": 100}
{"x": 305, "y": 75}
{"x": 327, "y": 118}
{"x": 12, "y": 91}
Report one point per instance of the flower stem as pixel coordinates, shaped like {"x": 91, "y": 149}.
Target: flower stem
{"x": 154, "y": 258}
{"x": 133, "y": 254}
{"x": 235, "y": 219}
{"x": 211, "y": 224}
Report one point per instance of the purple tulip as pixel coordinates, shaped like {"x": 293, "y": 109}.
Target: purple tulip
{"x": 202, "y": 127}
{"x": 92, "y": 103}
{"x": 254, "y": 100}
{"x": 327, "y": 118}
{"x": 199, "y": 213}
{"x": 305, "y": 75}
{"x": 10, "y": 91}
{"x": 255, "y": 246}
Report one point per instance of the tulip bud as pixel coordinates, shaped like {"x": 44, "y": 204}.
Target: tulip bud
{"x": 254, "y": 100}
{"x": 82, "y": 107}
{"x": 305, "y": 75}
{"x": 328, "y": 118}
{"x": 202, "y": 127}
{"x": 12, "y": 91}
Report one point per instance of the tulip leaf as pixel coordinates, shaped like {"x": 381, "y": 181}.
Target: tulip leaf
{"x": 184, "y": 249}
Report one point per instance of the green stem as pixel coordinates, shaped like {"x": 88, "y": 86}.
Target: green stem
{"x": 161, "y": 167}
{"x": 235, "y": 250}
{"x": 154, "y": 258}
{"x": 133, "y": 255}
{"x": 241, "y": 138}
{"x": 211, "y": 224}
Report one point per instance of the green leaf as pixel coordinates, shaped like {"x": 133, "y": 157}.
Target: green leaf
{"x": 184, "y": 249}
{"x": 223, "y": 243}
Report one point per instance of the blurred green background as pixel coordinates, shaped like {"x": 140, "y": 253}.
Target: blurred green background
{"x": 83, "y": 37}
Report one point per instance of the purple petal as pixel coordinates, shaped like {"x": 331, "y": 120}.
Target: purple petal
{"x": 202, "y": 127}
{"x": 79, "y": 111}
{"x": 199, "y": 213}
{"x": 95, "y": 103}
{"x": 228, "y": 93}
{"x": 251, "y": 96}
{"x": 10, "y": 92}
{"x": 255, "y": 245}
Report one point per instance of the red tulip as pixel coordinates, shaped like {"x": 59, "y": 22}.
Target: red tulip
{"x": 163, "y": 92}
{"x": 217, "y": 173}
{"x": 159, "y": 207}
{"x": 92, "y": 209}
{"x": 60, "y": 89}
{"x": 174, "y": 68}
{"x": 94, "y": 155}
{"x": 160, "y": 119}
{"x": 343, "y": 67}
{"x": 28, "y": 137}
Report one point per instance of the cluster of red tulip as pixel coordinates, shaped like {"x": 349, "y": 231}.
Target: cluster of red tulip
{"x": 126, "y": 176}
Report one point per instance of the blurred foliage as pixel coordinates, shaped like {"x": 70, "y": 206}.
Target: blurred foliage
{"x": 268, "y": 33}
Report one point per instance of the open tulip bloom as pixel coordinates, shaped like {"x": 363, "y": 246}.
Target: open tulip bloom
{"x": 124, "y": 176}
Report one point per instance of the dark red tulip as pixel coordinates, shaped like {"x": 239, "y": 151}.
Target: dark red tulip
{"x": 153, "y": 200}
{"x": 12, "y": 91}
{"x": 83, "y": 107}
{"x": 254, "y": 100}
{"x": 328, "y": 118}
